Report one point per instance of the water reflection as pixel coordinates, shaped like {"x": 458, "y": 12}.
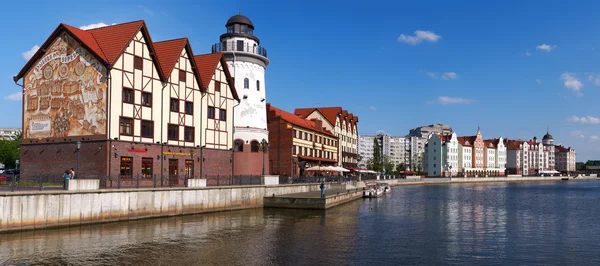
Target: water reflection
{"x": 495, "y": 223}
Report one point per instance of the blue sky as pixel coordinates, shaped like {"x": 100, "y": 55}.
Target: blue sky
{"x": 510, "y": 67}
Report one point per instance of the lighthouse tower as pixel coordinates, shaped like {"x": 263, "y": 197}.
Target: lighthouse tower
{"x": 247, "y": 62}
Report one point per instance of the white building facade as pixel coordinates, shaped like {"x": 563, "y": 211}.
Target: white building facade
{"x": 565, "y": 159}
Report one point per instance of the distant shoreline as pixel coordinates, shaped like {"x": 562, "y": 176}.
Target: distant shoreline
{"x": 458, "y": 180}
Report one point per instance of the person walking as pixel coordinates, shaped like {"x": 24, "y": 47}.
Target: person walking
{"x": 66, "y": 177}
{"x": 322, "y": 186}
{"x": 72, "y": 173}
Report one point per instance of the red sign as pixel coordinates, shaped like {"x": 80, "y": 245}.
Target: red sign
{"x": 137, "y": 150}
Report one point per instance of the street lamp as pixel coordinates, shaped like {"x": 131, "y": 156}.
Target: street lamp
{"x": 78, "y": 151}
{"x": 263, "y": 146}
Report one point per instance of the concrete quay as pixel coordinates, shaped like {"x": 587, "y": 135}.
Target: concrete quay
{"x": 312, "y": 200}
{"x": 27, "y": 210}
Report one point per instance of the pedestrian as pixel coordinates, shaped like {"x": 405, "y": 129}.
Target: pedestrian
{"x": 72, "y": 173}
{"x": 66, "y": 177}
{"x": 322, "y": 186}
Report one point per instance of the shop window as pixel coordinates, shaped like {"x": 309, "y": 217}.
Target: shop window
{"x": 189, "y": 168}
{"x": 147, "y": 167}
{"x": 126, "y": 167}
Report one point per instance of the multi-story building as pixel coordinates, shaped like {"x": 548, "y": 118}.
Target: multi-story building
{"x": 420, "y": 135}
{"x": 343, "y": 124}
{"x": 479, "y": 157}
{"x": 365, "y": 149}
{"x": 565, "y": 159}
{"x": 548, "y": 142}
{"x": 526, "y": 157}
{"x": 247, "y": 62}
{"x": 298, "y": 143}
{"x": 125, "y": 106}
{"x": 9, "y": 133}
{"x": 442, "y": 156}
{"x": 399, "y": 149}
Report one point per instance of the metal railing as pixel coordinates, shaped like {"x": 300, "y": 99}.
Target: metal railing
{"x": 228, "y": 180}
{"x": 16, "y": 182}
{"x": 314, "y": 179}
{"x": 241, "y": 46}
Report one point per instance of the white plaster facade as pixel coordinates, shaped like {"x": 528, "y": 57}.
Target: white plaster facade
{"x": 565, "y": 159}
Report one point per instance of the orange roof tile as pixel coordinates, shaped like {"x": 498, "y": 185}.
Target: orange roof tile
{"x": 330, "y": 113}
{"x": 207, "y": 64}
{"x": 168, "y": 53}
{"x": 87, "y": 39}
{"x": 463, "y": 140}
{"x": 114, "y": 39}
{"x": 298, "y": 121}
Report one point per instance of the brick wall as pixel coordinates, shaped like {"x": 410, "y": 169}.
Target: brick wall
{"x": 250, "y": 163}
{"x": 281, "y": 147}
{"x": 217, "y": 162}
{"x": 52, "y": 159}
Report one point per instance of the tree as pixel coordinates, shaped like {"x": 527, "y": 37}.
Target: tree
{"x": 400, "y": 167}
{"x": 9, "y": 152}
{"x": 369, "y": 164}
{"x": 377, "y": 165}
{"x": 388, "y": 166}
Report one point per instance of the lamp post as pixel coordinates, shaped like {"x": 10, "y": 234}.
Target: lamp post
{"x": 263, "y": 146}
{"x": 78, "y": 151}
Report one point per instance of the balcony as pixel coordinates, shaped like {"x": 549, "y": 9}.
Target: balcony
{"x": 239, "y": 46}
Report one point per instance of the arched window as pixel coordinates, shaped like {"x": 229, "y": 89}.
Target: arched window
{"x": 258, "y": 85}
{"x": 238, "y": 145}
{"x": 254, "y": 146}
{"x": 246, "y": 83}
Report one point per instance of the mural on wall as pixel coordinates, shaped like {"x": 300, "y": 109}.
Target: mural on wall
{"x": 65, "y": 93}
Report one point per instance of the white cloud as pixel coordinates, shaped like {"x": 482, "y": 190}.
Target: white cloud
{"x": 420, "y": 36}
{"x": 595, "y": 77}
{"x": 17, "y": 96}
{"x": 578, "y": 134}
{"x": 146, "y": 10}
{"x": 527, "y": 53}
{"x": 28, "y": 54}
{"x": 94, "y": 25}
{"x": 538, "y": 81}
{"x": 372, "y": 108}
{"x": 572, "y": 82}
{"x": 545, "y": 47}
{"x": 444, "y": 76}
{"x": 449, "y": 75}
{"x": 595, "y": 137}
{"x": 451, "y": 100}
{"x": 584, "y": 119}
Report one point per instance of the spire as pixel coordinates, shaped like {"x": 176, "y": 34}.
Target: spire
{"x": 547, "y": 130}
{"x": 240, "y": 11}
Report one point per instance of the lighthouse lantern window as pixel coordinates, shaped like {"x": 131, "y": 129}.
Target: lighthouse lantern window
{"x": 243, "y": 28}
{"x": 237, "y": 28}
{"x": 229, "y": 29}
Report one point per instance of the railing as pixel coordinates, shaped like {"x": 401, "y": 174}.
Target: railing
{"x": 283, "y": 180}
{"x": 227, "y": 180}
{"x": 15, "y": 182}
{"x": 234, "y": 46}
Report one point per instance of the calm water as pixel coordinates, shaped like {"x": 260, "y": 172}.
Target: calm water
{"x": 549, "y": 223}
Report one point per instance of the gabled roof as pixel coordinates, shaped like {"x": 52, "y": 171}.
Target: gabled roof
{"x": 463, "y": 140}
{"x": 168, "y": 53}
{"x": 107, "y": 43}
{"x": 513, "y": 144}
{"x": 560, "y": 148}
{"x": 114, "y": 39}
{"x": 330, "y": 113}
{"x": 296, "y": 120}
{"x": 207, "y": 64}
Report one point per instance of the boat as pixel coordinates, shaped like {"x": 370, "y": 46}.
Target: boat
{"x": 373, "y": 191}
{"x": 386, "y": 187}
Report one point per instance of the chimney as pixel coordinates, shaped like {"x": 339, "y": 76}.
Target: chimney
{"x": 318, "y": 123}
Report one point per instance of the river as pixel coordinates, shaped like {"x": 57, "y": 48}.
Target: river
{"x": 532, "y": 223}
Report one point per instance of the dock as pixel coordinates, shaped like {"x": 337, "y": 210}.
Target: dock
{"x": 312, "y": 200}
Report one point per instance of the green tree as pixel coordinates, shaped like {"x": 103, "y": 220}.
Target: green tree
{"x": 9, "y": 152}
{"x": 388, "y": 166}
{"x": 370, "y": 164}
{"x": 377, "y": 164}
{"x": 400, "y": 167}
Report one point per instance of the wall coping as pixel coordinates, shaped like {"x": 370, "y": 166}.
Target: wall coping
{"x": 125, "y": 190}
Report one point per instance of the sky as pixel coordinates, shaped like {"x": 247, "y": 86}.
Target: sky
{"x": 511, "y": 68}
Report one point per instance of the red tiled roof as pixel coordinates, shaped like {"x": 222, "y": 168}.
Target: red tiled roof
{"x": 470, "y": 139}
{"x": 296, "y": 120}
{"x": 114, "y": 39}
{"x": 330, "y": 113}
{"x": 513, "y": 144}
{"x": 207, "y": 64}
{"x": 561, "y": 148}
{"x": 168, "y": 53}
{"x": 88, "y": 40}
